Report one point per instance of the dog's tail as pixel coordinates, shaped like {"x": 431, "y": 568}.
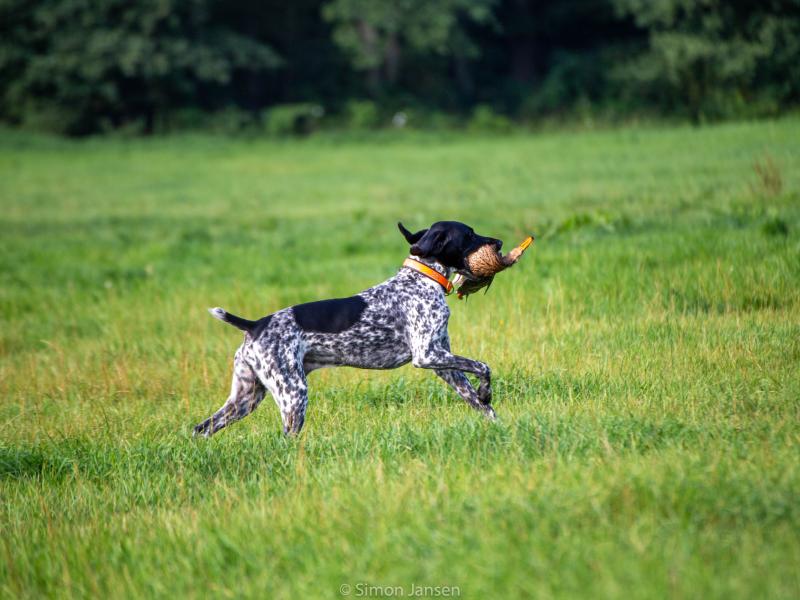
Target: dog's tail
{"x": 239, "y": 322}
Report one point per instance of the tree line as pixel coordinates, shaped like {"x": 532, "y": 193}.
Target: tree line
{"x": 86, "y": 66}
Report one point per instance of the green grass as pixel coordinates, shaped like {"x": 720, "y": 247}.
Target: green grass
{"x": 646, "y": 354}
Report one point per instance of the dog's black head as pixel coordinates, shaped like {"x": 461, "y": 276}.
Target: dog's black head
{"x": 448, "y": 242}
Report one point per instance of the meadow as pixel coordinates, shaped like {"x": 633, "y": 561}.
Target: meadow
{"x": 645, "y": 352}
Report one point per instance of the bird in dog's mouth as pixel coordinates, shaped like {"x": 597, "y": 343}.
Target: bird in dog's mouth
{"x": 483, "y": 264}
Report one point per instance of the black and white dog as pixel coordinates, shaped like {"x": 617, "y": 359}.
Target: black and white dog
{"x": 400, "y": 320}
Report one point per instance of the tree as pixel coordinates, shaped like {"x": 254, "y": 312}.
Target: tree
{"x": 376, "y": 33}
{"x": 87, "y": 65}
{"x": 706, "y": 55}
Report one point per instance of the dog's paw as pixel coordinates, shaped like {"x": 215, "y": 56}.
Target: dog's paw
{"x": 201, "y": 430}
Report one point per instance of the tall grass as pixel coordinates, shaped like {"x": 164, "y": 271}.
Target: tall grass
{"x": 646, "y": 355}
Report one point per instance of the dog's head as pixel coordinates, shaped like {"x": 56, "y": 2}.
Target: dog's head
{"x": 447, "y": 242}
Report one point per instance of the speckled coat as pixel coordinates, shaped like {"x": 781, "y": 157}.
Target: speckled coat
{"x": 401, "y": 320}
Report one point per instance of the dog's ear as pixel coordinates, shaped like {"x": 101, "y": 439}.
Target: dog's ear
{"x": 431, "y": 244}
{"x": 411, "y": 238}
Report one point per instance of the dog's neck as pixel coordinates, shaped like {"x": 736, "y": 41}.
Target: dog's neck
{"x": 433, "y": 264}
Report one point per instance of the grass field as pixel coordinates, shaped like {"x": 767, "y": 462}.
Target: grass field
{"x": 645, "y": 353}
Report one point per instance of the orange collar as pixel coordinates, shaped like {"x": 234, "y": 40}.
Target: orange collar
{"x": 428, "y": 272}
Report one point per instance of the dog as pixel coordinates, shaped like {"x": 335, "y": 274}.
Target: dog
{"x": 402, "y": 320}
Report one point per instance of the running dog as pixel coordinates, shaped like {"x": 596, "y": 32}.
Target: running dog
{"x": 402, "y": 320}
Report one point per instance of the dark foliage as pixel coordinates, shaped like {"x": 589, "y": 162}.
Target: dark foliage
{"x": 81, "y": 66}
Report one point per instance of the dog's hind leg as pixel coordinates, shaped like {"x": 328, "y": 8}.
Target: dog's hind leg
{"x": 246, "y": 394}
{"x": 283, "y": 375}
{"x": 290, "y": 391}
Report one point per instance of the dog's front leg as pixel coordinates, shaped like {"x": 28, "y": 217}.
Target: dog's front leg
{"x": 436, "y": 355}
{"x": 459, "y": 382}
